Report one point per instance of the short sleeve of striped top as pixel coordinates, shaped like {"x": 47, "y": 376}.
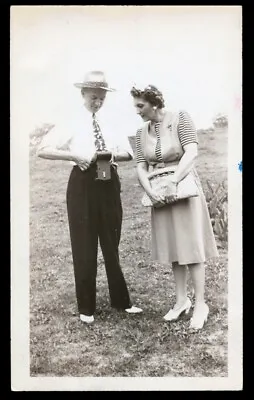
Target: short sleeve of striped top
{"x": 139, "y": 153}
{"x": 186, "y": 129}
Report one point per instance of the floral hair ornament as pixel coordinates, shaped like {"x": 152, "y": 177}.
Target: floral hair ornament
{"x": 143, "y": 89}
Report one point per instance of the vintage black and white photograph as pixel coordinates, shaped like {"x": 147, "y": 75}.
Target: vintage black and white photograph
{"x": 126, "y": 176}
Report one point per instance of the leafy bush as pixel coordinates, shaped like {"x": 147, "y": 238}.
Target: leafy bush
{"x": 211, "y": 129}
{"x": 217, "y": 201}
{"x": 37, "y": 134}
{"x": 220, "y": 121}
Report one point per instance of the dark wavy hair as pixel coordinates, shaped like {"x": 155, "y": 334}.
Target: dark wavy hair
{"x": 150, "y": 94}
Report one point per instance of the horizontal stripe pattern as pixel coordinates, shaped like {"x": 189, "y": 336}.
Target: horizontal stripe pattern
{"x": 186, "y": 129}
{"x": 186, "y": 132}
{"x": 139, "y": 152}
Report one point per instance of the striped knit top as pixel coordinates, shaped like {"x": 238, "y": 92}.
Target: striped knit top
{"x": 156, "y": 152}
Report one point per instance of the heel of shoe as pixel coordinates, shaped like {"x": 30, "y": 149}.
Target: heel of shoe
{"x": 173, "y": 314}
{"x": 199, "y": 322}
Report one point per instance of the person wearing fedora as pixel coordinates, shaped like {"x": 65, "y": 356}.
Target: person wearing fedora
{"x": 93, "y": 197}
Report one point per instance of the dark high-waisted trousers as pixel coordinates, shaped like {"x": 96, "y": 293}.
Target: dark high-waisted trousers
{"x": 95, "y": 211}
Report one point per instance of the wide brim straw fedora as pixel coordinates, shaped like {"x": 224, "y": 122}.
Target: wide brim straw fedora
{"x": 95, "y": 80}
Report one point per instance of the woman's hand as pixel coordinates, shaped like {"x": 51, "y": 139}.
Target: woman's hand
{"x": 171, "y": 192}
{"x": 158, "y": 200}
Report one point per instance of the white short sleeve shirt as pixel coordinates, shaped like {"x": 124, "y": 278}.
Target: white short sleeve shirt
{"x": 77, "y": 135}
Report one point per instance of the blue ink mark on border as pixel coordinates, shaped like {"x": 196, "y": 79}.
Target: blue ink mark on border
{"x": 240, "y": 166}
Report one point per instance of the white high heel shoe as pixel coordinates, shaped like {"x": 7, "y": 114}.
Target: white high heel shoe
{"x": 175, "y": 312}
{"x": 197, "y": 322}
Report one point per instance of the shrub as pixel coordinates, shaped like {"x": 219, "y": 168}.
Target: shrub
{"x": 37, "y": 134}
{"x": 211, "y": 129}
{"x": 220, "y": 121}
{"x": 217, "y": 201}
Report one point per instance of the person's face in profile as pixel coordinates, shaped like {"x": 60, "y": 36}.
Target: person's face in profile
{"x": 93, "y": 99}
{"x": 143, "y": 108}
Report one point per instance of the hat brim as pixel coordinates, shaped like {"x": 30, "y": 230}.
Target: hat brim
{"x": 87, "y": 86}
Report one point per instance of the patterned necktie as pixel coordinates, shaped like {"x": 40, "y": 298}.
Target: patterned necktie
{"x": 98, "y": 138}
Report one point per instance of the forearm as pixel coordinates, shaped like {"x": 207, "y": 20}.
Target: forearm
{"x": 143, "y": 179}
{"x": 185, "y": 165}
{"x": 55, "y": 154}
{"x": 122, "y": 156}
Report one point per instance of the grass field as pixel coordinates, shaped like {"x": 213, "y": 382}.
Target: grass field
{"x": 119, "y": 344}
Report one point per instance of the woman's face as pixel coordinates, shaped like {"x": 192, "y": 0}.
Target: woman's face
{"x": 144, "y": 108}
{"x": 94, "y": 99}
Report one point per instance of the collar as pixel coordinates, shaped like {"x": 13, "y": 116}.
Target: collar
{"x": 88, "y": 114}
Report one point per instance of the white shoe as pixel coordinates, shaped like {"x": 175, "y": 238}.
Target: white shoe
{"x": 133, "y": 310}
{"x": 175, "y": 312}
{"x": 86, "y": 318}
{"x": 198, "y": 320}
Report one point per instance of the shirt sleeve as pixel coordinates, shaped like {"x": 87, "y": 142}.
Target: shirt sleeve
{"x": 115, "y": 138}
{"x": 58, "y": 138}
{"x": 123, "y": 144}
{"x": 186, "y": 129}
{"x": 139, "y": 153}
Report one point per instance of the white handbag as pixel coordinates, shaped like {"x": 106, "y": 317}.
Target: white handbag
{"x": 159, "y": 180}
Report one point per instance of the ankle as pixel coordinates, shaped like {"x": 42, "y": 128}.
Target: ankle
{"x": 199, "y": 303}
{"x": 199, "y": 306}
{"x": 180, "y": 300}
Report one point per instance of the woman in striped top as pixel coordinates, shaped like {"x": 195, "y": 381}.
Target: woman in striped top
{"x": 181, "y": 231}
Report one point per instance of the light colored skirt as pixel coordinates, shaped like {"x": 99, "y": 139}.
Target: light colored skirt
{"x": 182, "y": 232}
